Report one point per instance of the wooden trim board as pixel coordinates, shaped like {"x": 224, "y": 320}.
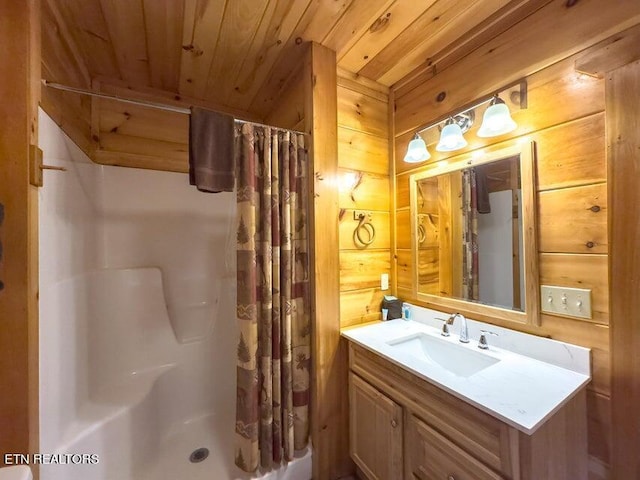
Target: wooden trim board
{"x": 622, "y": 94}
{"x": 329, "y": 401}
{"x": 20, "y": 38}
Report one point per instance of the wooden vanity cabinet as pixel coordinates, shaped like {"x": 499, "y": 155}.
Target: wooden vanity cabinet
{"x": 375, "y": 439}
{"x": 403, "y": 427}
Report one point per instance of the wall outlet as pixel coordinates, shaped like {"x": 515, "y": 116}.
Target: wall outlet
{"x": 384, "y": 281}
{"x": 571, "y": 302}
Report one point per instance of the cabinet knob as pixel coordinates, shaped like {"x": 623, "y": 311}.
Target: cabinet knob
{"x": 394, "y": 424}
{"x": 451, "y": 477}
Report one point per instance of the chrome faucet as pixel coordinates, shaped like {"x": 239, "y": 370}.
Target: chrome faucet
{"x": 464, "y": 331}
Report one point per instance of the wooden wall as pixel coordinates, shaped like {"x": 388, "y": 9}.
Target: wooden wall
{"x": 112, "y": 132}
{"x": 363, "y": 160}
{"x": 309, "y": 101}
{"x": 566, "y": 119}
{"x": 61, "y": 61}
{"x": 20, "y": 39}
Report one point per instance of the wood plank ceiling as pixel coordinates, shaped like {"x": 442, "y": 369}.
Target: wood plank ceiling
{"x": 239, "y": 53}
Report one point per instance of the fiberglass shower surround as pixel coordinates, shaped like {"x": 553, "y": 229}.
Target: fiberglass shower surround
{"x": 137, "y": 302}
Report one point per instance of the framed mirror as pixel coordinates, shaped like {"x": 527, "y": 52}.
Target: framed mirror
{"x": 474, "y": 241}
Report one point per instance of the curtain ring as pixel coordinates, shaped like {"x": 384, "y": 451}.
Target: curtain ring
{"x": 367, "y": 227}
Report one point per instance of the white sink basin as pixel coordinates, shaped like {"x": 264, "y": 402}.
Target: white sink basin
{"x": 457, "y": 359}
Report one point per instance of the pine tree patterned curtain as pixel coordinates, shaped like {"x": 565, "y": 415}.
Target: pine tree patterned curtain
{"x": 470, "y": 272}
{"x": 273, "y": 310}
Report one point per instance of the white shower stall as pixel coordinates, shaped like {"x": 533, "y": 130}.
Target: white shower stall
{"x": 137, "y": 323}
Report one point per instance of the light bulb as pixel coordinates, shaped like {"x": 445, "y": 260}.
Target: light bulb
{"x": 496, "y": 120}
{"x": 417, "y": 151}
{"x": 451, "y": 138}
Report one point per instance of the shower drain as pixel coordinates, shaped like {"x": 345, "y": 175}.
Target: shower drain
{"x": 199, "y": 455}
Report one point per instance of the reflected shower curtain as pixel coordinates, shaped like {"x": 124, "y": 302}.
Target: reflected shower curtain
{"x": 470, "y": 272}
{"x": 273, "y": 310}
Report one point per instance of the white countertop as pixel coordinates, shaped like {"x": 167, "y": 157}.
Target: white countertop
{"x": 519, "y": 390}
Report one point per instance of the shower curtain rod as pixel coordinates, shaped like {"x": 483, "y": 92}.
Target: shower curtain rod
{"x": 144, "y": 103}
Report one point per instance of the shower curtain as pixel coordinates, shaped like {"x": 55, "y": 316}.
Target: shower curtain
{"x": 470, "y": 271}
{"x": 273, "y": 309}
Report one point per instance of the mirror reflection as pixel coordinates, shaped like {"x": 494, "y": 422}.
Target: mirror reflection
{"x": 469, "y": 234}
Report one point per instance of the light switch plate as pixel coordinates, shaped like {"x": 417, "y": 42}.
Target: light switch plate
{"x": 572, "y": 302}
{"x": 384, "y": 281}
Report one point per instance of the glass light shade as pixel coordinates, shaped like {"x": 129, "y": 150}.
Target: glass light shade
{"x": 496, "y": 121}
{"x": 417, "y": 151}
{"x": 451, "y": 138}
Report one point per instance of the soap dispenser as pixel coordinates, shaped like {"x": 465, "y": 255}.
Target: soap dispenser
{"x": 406, "y": 311}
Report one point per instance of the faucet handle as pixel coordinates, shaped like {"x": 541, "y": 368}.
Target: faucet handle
{"x": 482, "y": 343}
{"x": 445, "y": 326}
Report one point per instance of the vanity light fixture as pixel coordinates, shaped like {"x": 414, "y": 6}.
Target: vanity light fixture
{"x": 496, "y": 121}
{"x": 417, "y": 150}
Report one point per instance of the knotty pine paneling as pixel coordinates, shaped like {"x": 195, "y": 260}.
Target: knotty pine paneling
{"x": 151, "y": 147}
{"x": 362, "y": 151}
{"x": 403, "y": 229}
{"x": 555, "y": 95}
{"x": 405, "y": 270}
{"x": 20, "y": 92}
{"x": 288, "y": 111}
{"x": 370, "y": 192}
{"x": 362, "y": 112}
{"x": 360, "y": 306}
{"x": 360, "y": 270}
{"x": 329, "y": 366}
{"x": 549, "y": 35}
{"x": 402, "y": 190}
{"x": 623, "y": 141}
{"x": 599, "y": 425}
{"x": 566, "y": 119}
{"x": 571, "y": 154}
{"x": 143, "y": 122}
{"x": 70, "y": 111}
{"x": 580, "y": 271}
{"x": 347, "y": 225}
{"x": 579, "y": 210}
{"x": 363, "y": 157}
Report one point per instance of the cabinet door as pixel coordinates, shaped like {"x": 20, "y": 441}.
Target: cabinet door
{"x": 434, "y": 457}
{"x": 375, "y": 441}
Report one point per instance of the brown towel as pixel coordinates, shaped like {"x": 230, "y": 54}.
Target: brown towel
{"x": 482, "y": 189}
{"x": 211, "y": 160}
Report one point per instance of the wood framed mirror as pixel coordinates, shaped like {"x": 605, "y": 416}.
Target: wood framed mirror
{"x": 474, "y": 237}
